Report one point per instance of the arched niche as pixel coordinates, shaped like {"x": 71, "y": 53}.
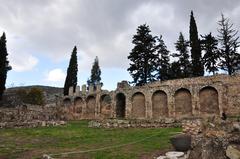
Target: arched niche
{"x": 208, "y": 97}
{"x": 183, "y": 102}
{"x": 90, "y": 107}
{"x": 120, "y": 105}
{"x": 138, "y": 105}
{"x": 159, "y": 104}
{"x": 78, "y": 103}
{"x": 67, "y": 102}
{"x": 105, "y": 106}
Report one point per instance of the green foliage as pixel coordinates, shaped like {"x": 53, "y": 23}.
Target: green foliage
{"x": 212, "y": 53}
{"x": 181, "y": 68}
{"x": 4, "y": 64}
{"x": 71, "y": 78}
{"x": 95, "y": 74}
{"x": 143, "y": 57}
{"x": 197, "y": 64}
{"x": 34, "y": 96}
{"x": 163, "y": 61}
{"x": 229, "y": 56}
{"x": 77, "y": 136}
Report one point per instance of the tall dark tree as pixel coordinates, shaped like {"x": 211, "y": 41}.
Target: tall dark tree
{"x": 143, "y": 56}
{"x": 175, "y": 71}
{"x": 95, "y": 74}
{"x": 229, "y": 57}
{"x": 211, "y": 56}
{"x": 183, "y": 57}
{"x": 163, "y": 63}
{"x": 71, "y": 78}
{"x": 197, "y": 64}
{"x": 4, "y": 64}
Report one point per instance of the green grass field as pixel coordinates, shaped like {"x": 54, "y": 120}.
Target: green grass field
{"x": 76, "y": 136}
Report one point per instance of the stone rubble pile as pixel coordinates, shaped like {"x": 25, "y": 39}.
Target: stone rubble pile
{"x": 192, "y": 127}
{"x": 116, "y": 123}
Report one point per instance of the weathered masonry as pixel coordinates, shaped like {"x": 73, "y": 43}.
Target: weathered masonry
{"x": 201, "y": 96}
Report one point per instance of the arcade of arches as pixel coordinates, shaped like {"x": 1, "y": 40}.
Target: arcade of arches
{"x": 203, "y": 96}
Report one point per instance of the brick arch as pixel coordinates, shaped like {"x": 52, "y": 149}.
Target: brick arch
{"x": 90, "y": 106}
{"x": 120, "y": 105}
{"x": 159, "y": 104}
{"x": 138, "y": 105}
{"x": 208, "y": 97}
{"x": 105, "y": 105}
{"x": 183, "y": 102}
{"x": 67, "y": 102}
{"x": 78, "y": 103}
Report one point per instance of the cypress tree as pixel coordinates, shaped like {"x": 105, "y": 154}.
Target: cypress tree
{"x": 163, "y": 63}
{"x": 71, "y": 78}
{"x": 143, "y": 56}
{"x": 229, "y": 56}
{"x": 4, "y": 64}
{"x": 197, "y": 66}
{"x": 211, "y": 55}
{"x": 95, "y": 77}
{"x": 183, "y": 57}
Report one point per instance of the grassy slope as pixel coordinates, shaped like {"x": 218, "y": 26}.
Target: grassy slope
{"x": 75, "y": 136}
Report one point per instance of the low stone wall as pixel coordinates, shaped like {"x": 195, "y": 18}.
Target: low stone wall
{"x": 28, "y": 113}
{"x": 117, "y": 123}
{"x": 32, "y": 124}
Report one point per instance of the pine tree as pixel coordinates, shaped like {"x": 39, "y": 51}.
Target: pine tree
{"x": 163, "y": 63}
{"x": 71, "y": 78}
{"x": 229, "y": 57}
{"x": 197, "y": 65}
{"x": 143, "y": 56}
{"x": 4, "y": 64}
{"x": 183, "y": 57}
{"x": 211, "y": 55}
{"x": 175, "y": 71}
{"x": 95, "y": 74}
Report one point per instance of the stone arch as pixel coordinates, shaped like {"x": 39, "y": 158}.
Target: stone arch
{"x": 67, "y": 102}
{"x": 208, "y": 97}
{"x": 183, "y": 102}
{"x": 138, "y": 105}
{"x": 159, "y": 104}
{"x": 105, "y": 105}
{"x": 90, "y": 107}
{"x": 78, "y": 103}
{"x": 120, "y": 105}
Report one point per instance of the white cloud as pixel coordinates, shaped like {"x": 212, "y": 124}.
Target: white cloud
{"x": 24, "y": 63}
{"x": 56, "y": 75}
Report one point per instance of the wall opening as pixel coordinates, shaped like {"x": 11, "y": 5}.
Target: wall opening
{"x": 208, "y": 97}
{"x": 105, "y": 106}
{"x": 138, "y": 105}
{"x": 120, "y": 105}
{"x": 91, "y": 104}
{"x": 183, "y": 102}
{"x": 159, "y": 105}
{"x": 67, "y": 102}
{"x": 78, "y": 102}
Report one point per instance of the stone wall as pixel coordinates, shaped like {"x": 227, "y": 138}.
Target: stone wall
{"x": 197, "y": 97}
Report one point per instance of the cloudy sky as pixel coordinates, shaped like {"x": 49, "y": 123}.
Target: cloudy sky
{"x": 42, "y": 33}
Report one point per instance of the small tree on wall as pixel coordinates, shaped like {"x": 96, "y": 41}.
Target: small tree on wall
{"x": 71, "y": 78}
{"x": 4, "y": 64}
{"x": 95, "y": 77}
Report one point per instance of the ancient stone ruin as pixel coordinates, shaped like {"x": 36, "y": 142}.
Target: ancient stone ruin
{"x": 181, "y": 98}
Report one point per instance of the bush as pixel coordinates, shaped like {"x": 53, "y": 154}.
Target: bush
{"x": 34, "y": 96}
